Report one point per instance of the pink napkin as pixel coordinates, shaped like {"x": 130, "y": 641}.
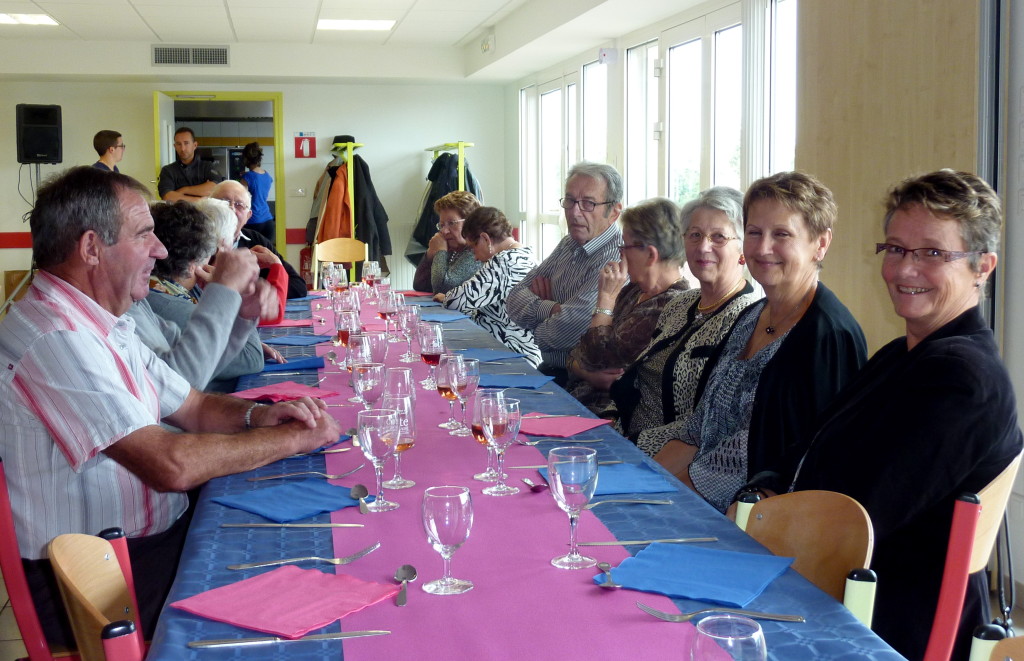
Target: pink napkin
{"x": 289, "y": 322}
{"x": 288, "y": 602}
{"x": 284, "y": 391}
{"x": 560, "y": 427}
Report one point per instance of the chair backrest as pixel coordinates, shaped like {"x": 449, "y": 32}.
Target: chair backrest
{"x": 828, "y": 533}
{"x": 341, "y": 250}
{"x": 16, "y": 583}
{"x": 972, "y": 535}
{"x": 1009, "y": 648}
{"x": 95, "y": 592}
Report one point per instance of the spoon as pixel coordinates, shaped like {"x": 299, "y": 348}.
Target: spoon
{"x": 403, "y": 575}
{"x": 359, "y": 492}
{"x": 332, "y": 357}
{"x": 534, "y": 487}
{"x": 609, "y": 582}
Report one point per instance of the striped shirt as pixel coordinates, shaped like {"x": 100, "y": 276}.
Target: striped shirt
{"x": 77, "y": 380}
{"x": 573, "y": 270}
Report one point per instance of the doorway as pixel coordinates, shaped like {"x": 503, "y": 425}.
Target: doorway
{"x": 239, "y": 117}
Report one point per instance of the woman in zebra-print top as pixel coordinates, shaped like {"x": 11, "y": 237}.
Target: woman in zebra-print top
{"x": 505, "y": 262}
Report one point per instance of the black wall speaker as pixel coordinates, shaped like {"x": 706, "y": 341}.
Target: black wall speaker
{"x": 39, "y": 137}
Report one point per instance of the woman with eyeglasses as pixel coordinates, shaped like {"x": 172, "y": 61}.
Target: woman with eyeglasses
{"x": 785, "y": 357}
{"x": 932, "y": 415}
{"x": 504, "y": 262}
{"x": 655, "y": 396}
{"x": 449, "y": 260}
{"x": 624, "y": 317}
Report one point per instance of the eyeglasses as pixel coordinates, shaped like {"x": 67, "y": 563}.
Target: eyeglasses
{"x": 241, "y": 206}
{"x": 585, "y": 205}
{"x": 120, "y": 146}
{"x": 450, "y": 224}
{"x": 929, "y": 256}
{"x": 624, "y": 247}
{"x": 716, "y": 238}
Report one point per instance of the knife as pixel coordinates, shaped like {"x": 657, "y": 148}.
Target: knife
{"x": 600, "y": 463}
{"x": 291, "y": 525}
{"x": 676, "y": 540}
{"x": 245, "y": 642}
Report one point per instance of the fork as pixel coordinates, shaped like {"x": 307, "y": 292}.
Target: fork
{"x": 686, "y": 617}
{"x": 334, "y": 561}
{"x": 329, "y": 476}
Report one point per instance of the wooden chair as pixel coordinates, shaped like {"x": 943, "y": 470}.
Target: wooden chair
{"x": 1008, "y": 648}
{"x": 829, "y": 534}
{"x": 976, "y": 522}
{"x": 337, "y": 250}
{"x": 95, "y": 579}
{"x": 17, "y": 585}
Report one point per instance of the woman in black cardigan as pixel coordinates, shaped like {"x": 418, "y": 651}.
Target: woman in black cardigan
{"x": 786, "y": 356}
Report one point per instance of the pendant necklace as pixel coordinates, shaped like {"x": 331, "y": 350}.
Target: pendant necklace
{"x": 770, "y": 328}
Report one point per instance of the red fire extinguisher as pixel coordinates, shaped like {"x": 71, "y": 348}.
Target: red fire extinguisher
{"x": 306, "y": 265}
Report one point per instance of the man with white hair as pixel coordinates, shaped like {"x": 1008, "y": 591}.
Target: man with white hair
{"x": 240, "y": 200}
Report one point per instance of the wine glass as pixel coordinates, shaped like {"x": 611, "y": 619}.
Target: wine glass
{"x": 447, "y": 520}
{"x": 451, "y": 370}
{"x": 358, "y": 352}
{"x": 572, "y": 476}
{"x": 728, "y": 636}
{"x": 382, "y": 285}
{"x": 346, "y": 322}
{"x": 378, "y": 341}
{"x": 398, "y": 382}
{"x": 397, "y": 300}
{"x": 378, "y": 435}
{"x": 431, "y": 338}
{"x": 409, "y": 320}
{"x": 371, "y": 271}
{"x": 403, "y": 405}
{"x": 490, "y": 474}
{"x": 339, "y": 278}
{"x": 500, "y": 424}
{"x": 386, "y": 308}
{"x": 368, "y": 382}
{"x": 464, "y": 390}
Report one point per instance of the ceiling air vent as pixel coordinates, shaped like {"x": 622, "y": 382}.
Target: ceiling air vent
{"x": 194, "y": 56}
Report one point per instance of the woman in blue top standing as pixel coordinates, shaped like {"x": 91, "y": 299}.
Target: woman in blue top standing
{"x": 258, "y": 181}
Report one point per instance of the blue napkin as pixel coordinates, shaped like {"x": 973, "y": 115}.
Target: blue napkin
{"x": 426, "y": 303}
{"x": 296, "y": 364}
{"x": 342, "y": 439}
{"x": 627, "y": 478}
{"x": 443, "y": 316}
{"x": 301, "y": 306}
{"x": 530, "y": 381}
{"x": 484, "y": 355}
{"x": 307, "y": 297}
{"x": 292, "y": 501}
{"x": 730, "y": 578}
{"x": 298, "y": 340}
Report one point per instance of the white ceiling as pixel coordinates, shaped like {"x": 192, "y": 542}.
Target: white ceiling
{"x": 532, "y": 34}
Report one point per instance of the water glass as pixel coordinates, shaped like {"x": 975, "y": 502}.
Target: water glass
{"x": 398, "y": 382}
{"x": 378, "y": 345}
{"x": 572, "y": 476}
{"x": 408, "y": 321}
{"x": 727, "y": 636}
{"x": 447, "y": 520}
{"x": 378, "y": 436}
{"x": 403, "y": 405}
{"x": 500, "y": 425}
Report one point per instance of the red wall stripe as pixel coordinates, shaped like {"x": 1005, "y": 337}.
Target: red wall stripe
{"x": 15, "y": 239}
{"x": 295, "y": 236}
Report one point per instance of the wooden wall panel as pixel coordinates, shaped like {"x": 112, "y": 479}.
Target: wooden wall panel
{"x": 886, "y": 89}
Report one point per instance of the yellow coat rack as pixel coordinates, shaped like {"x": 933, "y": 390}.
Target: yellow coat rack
{"x": 454, "y": 146}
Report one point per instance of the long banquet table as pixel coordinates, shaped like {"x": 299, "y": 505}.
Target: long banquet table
{"x": 520, "y": 606}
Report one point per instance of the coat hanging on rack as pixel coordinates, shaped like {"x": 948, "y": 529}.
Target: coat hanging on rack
{"x": 443, "y": 178}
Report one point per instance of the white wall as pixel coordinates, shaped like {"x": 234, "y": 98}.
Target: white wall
{"x": 396, "y": 122}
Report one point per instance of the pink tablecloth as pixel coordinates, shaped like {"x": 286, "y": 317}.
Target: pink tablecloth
{"x": 520, "y": 606}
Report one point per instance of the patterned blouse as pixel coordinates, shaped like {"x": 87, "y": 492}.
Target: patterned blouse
{"x": 720, "y": 423}
{"x": 447, "y": 270}
{"x": 482, "y": 297}
{"x": 617, "y": 345}
{"x": 668, "y": 370}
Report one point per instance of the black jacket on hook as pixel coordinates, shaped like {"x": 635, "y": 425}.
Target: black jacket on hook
{"x": 443, "y": 178}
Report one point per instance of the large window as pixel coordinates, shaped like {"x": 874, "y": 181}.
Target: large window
{"x": 642, "y": 122}
{"x": 595, "y": 112}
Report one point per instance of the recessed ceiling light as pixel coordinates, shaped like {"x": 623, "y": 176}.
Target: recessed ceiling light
{"x": 27, "y": 19}
{"x": 332, "y": 24}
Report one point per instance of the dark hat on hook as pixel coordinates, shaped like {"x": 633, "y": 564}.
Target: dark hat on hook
{"x": 343, "y": 138}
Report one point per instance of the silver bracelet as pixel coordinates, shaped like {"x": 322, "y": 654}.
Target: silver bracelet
{"x": 248, "y": 415}
{"x": 602, "y": 311}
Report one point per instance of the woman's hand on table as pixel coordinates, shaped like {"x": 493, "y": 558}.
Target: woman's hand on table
{"x": 676, "y": 457}
{"x": 270, "y": 353}
{"x": 440, "y": 298}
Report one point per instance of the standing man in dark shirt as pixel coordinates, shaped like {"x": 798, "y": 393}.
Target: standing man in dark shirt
{"x": 187, "y": 178}
{"x": 110, "y": 147}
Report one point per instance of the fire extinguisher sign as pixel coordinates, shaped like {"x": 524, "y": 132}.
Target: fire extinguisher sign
{"x": 305, "y": 144}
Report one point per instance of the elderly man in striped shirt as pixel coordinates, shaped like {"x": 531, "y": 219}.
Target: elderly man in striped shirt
{"x": 556, "y": 300}
{"x": 81, "y": 397}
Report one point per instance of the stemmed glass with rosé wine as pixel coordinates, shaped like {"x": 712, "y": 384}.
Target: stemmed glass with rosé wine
{"x": 431, "y": 338}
